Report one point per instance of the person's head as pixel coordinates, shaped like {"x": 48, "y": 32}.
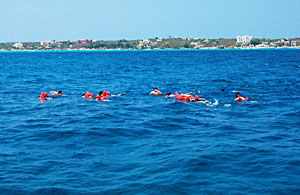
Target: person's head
{"x": 100, "y": 92}
{"x": 59, "y": 92}
{"x": 155, "y": 88}
{"x": 237, "y": 94}
{"x": 168, "y": 93}
{"x": 222, "y": 89}
{"x": 83, "y": 95}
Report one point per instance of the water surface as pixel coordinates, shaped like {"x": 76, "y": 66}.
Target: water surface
{"x": 145, "y": 144}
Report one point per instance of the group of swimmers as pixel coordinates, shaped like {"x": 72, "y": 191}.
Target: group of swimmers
{"x": 103, "y": 96}
{"x": 188, "y": 97}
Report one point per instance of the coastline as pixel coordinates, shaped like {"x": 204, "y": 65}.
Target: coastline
{"x": 168, "y": 49}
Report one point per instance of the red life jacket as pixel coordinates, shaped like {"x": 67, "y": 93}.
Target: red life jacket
{"x": 43, "y": 95}
{"x": 88, "y": 95}
{"x": 242, "y": 99}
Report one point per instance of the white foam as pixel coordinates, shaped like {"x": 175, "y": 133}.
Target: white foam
{"x": 208, "y": 103}
{"x": 216, "y": 102}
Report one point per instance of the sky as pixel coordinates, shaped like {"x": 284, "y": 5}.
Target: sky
{"x": 38, "y": 20}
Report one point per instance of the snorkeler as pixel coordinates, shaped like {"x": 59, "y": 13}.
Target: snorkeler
{"x": 238, "y": 97}
{"x": 59, "y": 93}
{"x": 185, "y": 97}
{"x": 188, "y": 97}
{"x": 101, "y": 96}
{"x": 155, "y": 91}
{"x": 87, "y": 95}
{"x": 44, "y": 96}
{"x": 168, "y": 95}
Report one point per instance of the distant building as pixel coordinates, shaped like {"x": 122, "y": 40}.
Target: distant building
{"x": 244, "y": 39}
{"x": 286, "y": 43}
{"x": 83, "y": 42}
{"x": 294, "y": 43}
{"x": 18, "y": 45}
{"x": 159, "y": 40}
{"x": 195, "y": 45}
{"x": 272, "y": 44}
{"x": 47, "y": 43}
{"x": 283, "y": 40}
{"x": 145, "y": 41}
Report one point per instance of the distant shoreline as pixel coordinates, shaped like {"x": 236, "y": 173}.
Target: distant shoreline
{"x": 170, "y": 49}
{"x": 242, "y": 42}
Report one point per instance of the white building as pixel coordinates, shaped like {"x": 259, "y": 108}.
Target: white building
{"x": 18, "y": 45}
{"x": 244, "y": 39}
{"x": 159, "y": 40}
{"x": 145, "y": 41}
{"x": 196, "y": 45}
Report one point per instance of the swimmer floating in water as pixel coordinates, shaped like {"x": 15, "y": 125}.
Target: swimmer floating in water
{"x": 187, "y": 97}
{"x": 239, "y": 98}
{"x": 59, "y": 93}
{"x": 168, "y": 95}
{"x": 102, "y": 95}
{"x": 87, "y": 95}
{"x": 155, "y": 91}
{"x": 44, "y": 96}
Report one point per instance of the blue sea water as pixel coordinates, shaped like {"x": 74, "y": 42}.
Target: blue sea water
{"x": 141, "y": 144}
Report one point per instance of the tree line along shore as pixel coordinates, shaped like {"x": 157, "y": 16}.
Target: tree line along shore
{"x": 154, "y": 43}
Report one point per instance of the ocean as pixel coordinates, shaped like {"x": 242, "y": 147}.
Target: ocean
{"x": 142, "y": 144}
